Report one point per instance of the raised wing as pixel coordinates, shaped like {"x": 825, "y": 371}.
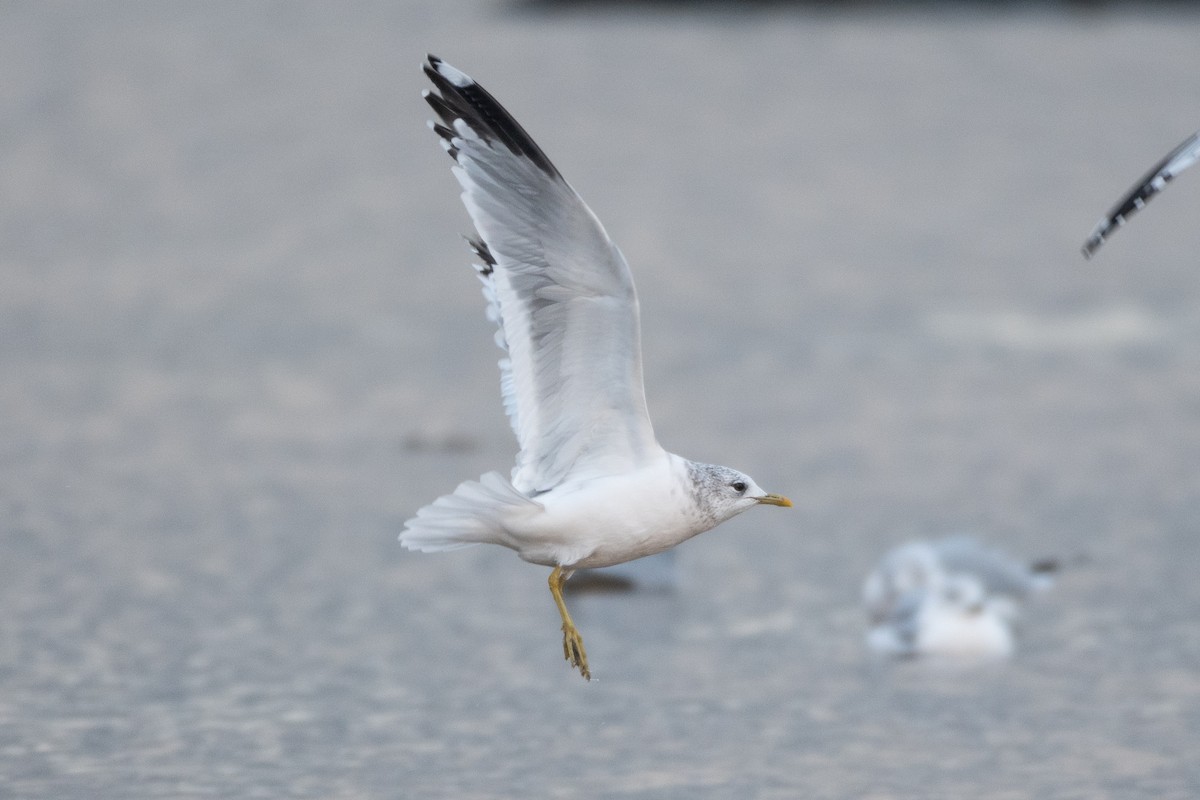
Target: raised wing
{"x": 1152, "y": 183}
{"x": 559, "y": 289}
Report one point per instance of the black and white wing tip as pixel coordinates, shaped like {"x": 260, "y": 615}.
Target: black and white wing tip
{"x": 1152, "y": 183}
{"x": 460, "y": 100}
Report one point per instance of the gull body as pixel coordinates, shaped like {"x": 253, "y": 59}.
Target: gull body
{"x": 586, "y": 523}
{"x": 591, "y": 487}
{"x": 952, "y": 617}
{"x": 581, "y": 527}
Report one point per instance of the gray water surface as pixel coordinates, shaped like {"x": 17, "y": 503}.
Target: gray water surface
{"x": 240, "y": 343}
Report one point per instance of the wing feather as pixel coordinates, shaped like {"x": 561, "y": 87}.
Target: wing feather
{"x": 559, "y": 289}
{"x": 1153, "y": 182}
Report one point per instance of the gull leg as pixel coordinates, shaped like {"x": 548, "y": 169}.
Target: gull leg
{"x": 572, "y": 642}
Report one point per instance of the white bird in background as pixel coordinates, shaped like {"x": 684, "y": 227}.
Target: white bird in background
{"x": 1152, "y": 183}
{"x": 950, "y": 597}
{"x": 592, "y": 487}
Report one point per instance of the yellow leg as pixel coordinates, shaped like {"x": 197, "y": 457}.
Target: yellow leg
{"x": 572, "y": 642}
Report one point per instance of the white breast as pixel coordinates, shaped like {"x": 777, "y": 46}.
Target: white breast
{"x": 606, "y": 520}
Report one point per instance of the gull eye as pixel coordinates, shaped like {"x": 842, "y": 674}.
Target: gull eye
{"x": 738, "y": 486}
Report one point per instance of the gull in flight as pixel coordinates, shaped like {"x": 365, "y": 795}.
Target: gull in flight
{"x": 951, "y": 597}
{"x": 591, "y": 486}
{"x": 1152, "y": 183}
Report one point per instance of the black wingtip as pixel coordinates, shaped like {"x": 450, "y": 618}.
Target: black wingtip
{"x": 459, "y": 97}
{"x": 1150, "y": 184}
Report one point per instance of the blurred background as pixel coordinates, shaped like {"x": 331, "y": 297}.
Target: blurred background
{"x": 240, "y": 343}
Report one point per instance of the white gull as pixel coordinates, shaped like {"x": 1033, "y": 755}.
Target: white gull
{"x": 591, "y": 487}
{"x": 951, "y": 597}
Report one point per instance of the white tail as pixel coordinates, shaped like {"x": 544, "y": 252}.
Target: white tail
{"x": 473, "y": 514}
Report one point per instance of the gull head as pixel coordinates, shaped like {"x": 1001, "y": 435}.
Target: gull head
{"x": 722, "y": 493}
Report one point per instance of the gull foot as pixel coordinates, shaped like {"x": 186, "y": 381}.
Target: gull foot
{"x": 572, "y": 642}
{"x": 573, "y": 650}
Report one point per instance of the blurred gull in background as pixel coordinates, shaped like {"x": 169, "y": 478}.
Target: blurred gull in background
{"x": 952, "y": 597}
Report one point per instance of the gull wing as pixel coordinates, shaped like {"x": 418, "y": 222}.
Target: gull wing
{"x": 559, "y": 289}
{"x": 998, "y": 572}
{"x": 1152, "y": 183}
